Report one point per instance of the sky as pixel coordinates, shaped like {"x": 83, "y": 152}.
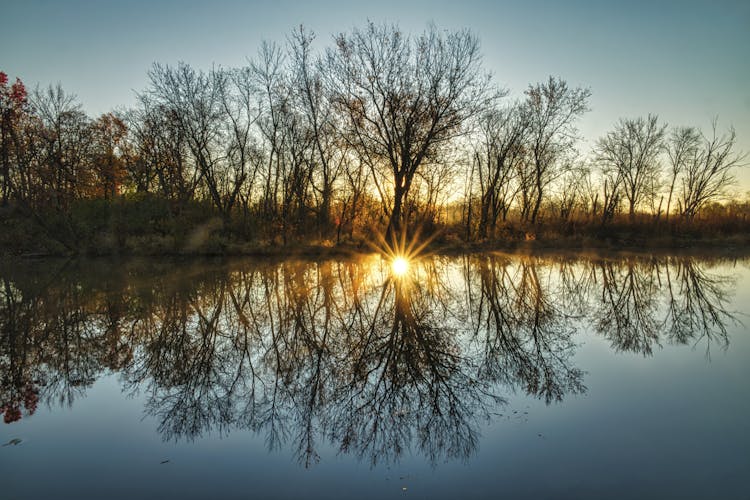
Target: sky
{"x": 686, "y": 61}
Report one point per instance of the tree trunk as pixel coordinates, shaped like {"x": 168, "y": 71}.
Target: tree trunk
{"x": 537, "y": 205}
{"x": 669, "y": 199}
{"x": 395, "y": 223}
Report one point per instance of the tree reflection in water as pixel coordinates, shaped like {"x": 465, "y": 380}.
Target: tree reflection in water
{"x": 340, "y": 352}
{"x": 525, "y": 336}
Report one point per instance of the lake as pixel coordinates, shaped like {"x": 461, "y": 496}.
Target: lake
{"x": 474, "y": 376}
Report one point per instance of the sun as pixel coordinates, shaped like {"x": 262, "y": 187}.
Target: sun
{"x": 399, "y": 251}
{"x": 400, "y": 266}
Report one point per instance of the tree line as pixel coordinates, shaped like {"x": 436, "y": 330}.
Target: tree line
{"x": 380, "y": 130}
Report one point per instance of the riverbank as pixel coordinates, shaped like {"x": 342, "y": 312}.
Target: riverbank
{"x": 141, "y": 233}
{"x": 738, "y": 244}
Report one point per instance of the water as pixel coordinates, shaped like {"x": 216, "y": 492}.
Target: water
{"x": 483, "y": 376}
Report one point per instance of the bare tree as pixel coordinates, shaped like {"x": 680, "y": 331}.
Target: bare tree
{"x": 307, "y": 83}
{"x": 590, "y": 192}
{"x": 195, "y": 99}
{"x": 632, "y": 149}
{"x": 294, "y": 170}
{"x": 709, "y": 173}
{"x": 612, "y": 195}
{"x": 351, "y": 208}
{"x": 501, "y": 148}
{"x": 158, "y": 154}
{"x": 431, "y": 189}
{"x": 64, "y": 142}
{"x": 552, "y": 107}
{"x": 682, "y": 146}
{"x": 268, "y": 76}
{"x": 237, "y": 95}
{"x": 571, "y": 192}
{"x": 402, "y": 99}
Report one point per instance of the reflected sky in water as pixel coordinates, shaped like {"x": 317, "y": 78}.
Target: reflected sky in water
{"x": 468, "y": 376}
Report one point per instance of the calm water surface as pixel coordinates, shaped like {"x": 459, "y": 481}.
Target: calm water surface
{"x": 483, "y": 376}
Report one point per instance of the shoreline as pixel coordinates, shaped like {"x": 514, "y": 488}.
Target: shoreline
{"x": 736, "y": 245}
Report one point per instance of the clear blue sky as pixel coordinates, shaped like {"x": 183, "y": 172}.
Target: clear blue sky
{"x": 686, "y": 60}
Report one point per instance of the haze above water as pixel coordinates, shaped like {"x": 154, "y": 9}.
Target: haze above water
{"x": 473, "y": 376}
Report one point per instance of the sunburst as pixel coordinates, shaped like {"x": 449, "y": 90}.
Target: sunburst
{"x": 400, "y": 266}
{"x": 401, "y": 252}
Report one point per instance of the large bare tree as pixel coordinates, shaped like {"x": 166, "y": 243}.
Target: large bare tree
{"x": 401, "y": 99}
{"x": 682, "y": 146}
{"x": 632, "y": 149}
{"x": 708, "y": 173}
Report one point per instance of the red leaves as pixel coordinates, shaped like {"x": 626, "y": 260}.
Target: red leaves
{"x": 16, "y": 95}
{"x": 18, "y": 92}
{"x": 11, "y": 410}
{"x": 12, "y": 414}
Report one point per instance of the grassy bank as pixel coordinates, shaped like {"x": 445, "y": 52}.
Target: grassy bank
{"x": 149, "y": 226}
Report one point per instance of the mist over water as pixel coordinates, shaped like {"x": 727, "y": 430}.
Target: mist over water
{"x": 556, "y": 375}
